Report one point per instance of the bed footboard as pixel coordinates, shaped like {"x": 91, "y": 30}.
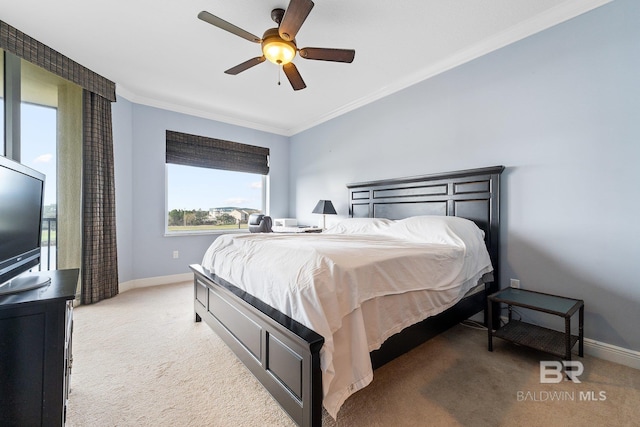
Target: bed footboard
{"x": 281, "y": 353}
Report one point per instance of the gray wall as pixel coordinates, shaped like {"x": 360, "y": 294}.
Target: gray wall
{"x": 139, "y": 152}
{"x": 561, "y": 110}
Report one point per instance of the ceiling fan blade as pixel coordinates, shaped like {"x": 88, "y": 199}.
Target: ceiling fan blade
{"x": 323, "y": 54}
{"x": 245, "y": 65}
{"x": 294, "y": 76}
{"x": 224, "y": 25}
{"x": 294, "y": 16}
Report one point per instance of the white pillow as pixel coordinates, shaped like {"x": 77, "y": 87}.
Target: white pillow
{"x": 360, "y": 226}
{"x": 448, "y": 230}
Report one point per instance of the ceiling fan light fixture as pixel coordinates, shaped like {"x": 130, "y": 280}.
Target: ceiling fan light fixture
{"x": 279, "y": 44}
{"x": 277, "y": 50}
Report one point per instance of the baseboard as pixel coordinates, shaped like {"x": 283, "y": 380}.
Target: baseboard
{"x": 155, "y": 281}
{"x": 612, "y": 353}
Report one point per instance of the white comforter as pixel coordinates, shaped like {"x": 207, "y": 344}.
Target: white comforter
{"x": 325, "y": 281}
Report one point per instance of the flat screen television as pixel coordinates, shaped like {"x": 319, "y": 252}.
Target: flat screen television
{"x": 21, "y": 205}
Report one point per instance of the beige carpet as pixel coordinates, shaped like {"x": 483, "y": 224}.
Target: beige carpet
{"x": 141, "y": 360}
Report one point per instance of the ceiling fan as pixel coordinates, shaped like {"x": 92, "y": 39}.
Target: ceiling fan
{"x": 279, "y": 44}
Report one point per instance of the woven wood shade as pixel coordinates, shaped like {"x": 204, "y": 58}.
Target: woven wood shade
{"x": 200, "y": 151}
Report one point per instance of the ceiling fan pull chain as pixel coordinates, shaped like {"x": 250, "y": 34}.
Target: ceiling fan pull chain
{"x": 279, "y": 70}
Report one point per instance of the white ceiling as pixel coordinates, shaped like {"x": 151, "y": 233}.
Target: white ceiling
{"x": 160, "y": 54}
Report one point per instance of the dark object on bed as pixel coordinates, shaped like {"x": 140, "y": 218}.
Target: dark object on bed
{"x": 259, "y": 223}
{"x": 284, "y": 355}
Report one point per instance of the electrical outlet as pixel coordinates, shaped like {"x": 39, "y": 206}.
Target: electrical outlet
{"x": 515, "y": 283}
{"x": 176, "y": 254}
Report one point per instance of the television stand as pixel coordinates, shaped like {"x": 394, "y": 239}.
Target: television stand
{"x": 35, "y": 352}
{"x": 24, "y": 283}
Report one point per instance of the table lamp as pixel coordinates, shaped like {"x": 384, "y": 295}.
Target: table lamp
{"x": 324, "y": 207}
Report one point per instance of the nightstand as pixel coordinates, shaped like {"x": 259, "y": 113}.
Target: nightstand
{"x": 534, "y": 336}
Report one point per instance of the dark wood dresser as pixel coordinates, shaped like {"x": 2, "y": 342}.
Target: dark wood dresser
{"x": 35, "y": 352}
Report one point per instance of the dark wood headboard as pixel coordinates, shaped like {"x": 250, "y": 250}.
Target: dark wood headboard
{"x": 473, "y": 194}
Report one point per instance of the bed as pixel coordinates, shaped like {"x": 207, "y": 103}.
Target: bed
{"x": 285, "y": 354}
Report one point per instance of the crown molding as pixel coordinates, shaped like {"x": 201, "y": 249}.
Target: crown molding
{"x": 179, "y": 108}
{"x": 554, "y": 16}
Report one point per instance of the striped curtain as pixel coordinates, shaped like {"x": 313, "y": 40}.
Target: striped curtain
{"x": 99, "y": 249}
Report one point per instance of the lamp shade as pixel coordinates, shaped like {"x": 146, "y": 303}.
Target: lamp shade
{"x": 325, "y": 207}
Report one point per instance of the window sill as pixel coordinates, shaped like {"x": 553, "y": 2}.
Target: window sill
{"x": 204, "y": 233}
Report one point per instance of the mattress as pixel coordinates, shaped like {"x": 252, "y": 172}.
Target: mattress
{"x": 356, "y": 284}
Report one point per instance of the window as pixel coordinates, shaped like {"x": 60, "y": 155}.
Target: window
{"x": 43, "y": 112}
{"x": 202, "y": 199}
{"x": 38, "y": 151}
{"x": 213, "y": 185}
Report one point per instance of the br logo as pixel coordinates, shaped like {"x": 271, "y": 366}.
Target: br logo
{"x": 552, "y": 372}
